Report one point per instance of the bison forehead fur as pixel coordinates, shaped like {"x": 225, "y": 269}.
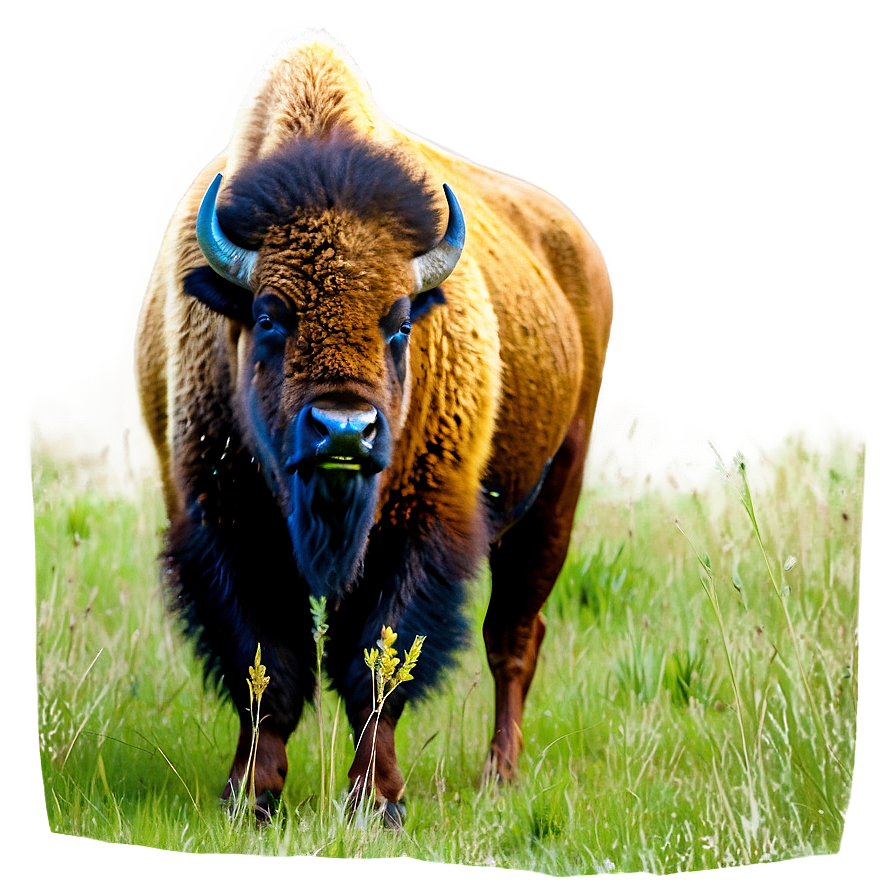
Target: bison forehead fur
{"x": 327, "y": 421}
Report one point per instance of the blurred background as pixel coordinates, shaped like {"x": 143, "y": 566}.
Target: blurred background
{"x": 734, "y": 163}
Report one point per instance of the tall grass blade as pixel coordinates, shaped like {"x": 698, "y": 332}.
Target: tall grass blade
{"x": 743, "y": 491}
{"x": 179, "y": 778}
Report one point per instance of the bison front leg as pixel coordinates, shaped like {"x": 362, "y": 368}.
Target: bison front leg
{"x": 416, "y": 590}
{"x": 232, "y": 604}
{"x": 266, "y": 776}
{"x": 374, "y": 776}
{"x": 278, "y": 714}
{"x": 525, "y": 564}
{"x": 374, "y": 771}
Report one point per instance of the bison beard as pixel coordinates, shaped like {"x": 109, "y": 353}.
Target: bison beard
{"x": 234, "y": 581}
{"x": 332, "y": 513}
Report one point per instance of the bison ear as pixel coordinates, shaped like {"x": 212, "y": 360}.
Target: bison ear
{"x": 219, "y": 294}
{"x": 425, "y": 302}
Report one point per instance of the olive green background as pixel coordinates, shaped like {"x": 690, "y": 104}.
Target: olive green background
{"x": 735, "y": 163}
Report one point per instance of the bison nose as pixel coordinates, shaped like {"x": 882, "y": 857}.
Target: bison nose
{"x": 328, "y": 435}
{"x": 344, "y": 432}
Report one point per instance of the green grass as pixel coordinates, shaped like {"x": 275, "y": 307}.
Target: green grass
{"x": 694, "y": 705}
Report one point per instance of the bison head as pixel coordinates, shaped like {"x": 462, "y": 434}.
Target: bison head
{"x": 324, "y": 255}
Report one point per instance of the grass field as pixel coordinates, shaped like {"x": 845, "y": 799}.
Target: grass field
{"x": 694, "y": 706}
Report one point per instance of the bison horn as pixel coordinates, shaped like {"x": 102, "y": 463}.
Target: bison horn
{"x": 435, "y": 266}
{"x": 232, "y": 262}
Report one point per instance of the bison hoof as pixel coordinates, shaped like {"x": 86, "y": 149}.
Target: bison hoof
{"x": 497, "y": 769}
{"x": 390, "y": 814}
{"x": 266, "y": 804}
{"x": 394, "y": 815}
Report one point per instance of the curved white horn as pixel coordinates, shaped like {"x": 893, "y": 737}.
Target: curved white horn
{"x": 225, "y": 257}
{"x": 435, "y": 266}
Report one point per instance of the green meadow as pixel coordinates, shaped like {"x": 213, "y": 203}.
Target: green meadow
{"x": 694, "y": 705}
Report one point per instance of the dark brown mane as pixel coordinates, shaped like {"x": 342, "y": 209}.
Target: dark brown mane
{"x": 338, "y": 171}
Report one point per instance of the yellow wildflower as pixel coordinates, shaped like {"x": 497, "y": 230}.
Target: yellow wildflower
{"x": 257, "y": 679}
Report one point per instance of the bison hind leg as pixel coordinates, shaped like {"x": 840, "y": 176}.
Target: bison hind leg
{"x": 525, "y": 564}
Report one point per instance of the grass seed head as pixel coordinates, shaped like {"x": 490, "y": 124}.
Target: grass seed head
{"x": 387, "y": 669}
{"x": 387, "y": 639}
{"x": 319, "y": 618}
{"x": 257, "y": 679}
{"x": 410, "y": 659}
{"x": 389, "y": 664}
{"x": 386, "y": 663}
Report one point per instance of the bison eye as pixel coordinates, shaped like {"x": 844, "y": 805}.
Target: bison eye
{"x": 264, "y": 321}
{"x": 405, "y": 328}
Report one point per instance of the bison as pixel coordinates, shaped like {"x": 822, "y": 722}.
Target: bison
{"x": 360, "y": 385}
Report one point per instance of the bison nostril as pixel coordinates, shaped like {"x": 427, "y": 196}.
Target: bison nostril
{"x": 320, "y": 426}
{"x": 367, "y": 437}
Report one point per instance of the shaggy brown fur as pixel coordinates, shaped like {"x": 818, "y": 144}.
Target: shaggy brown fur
{"x": 501, "y": 378}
